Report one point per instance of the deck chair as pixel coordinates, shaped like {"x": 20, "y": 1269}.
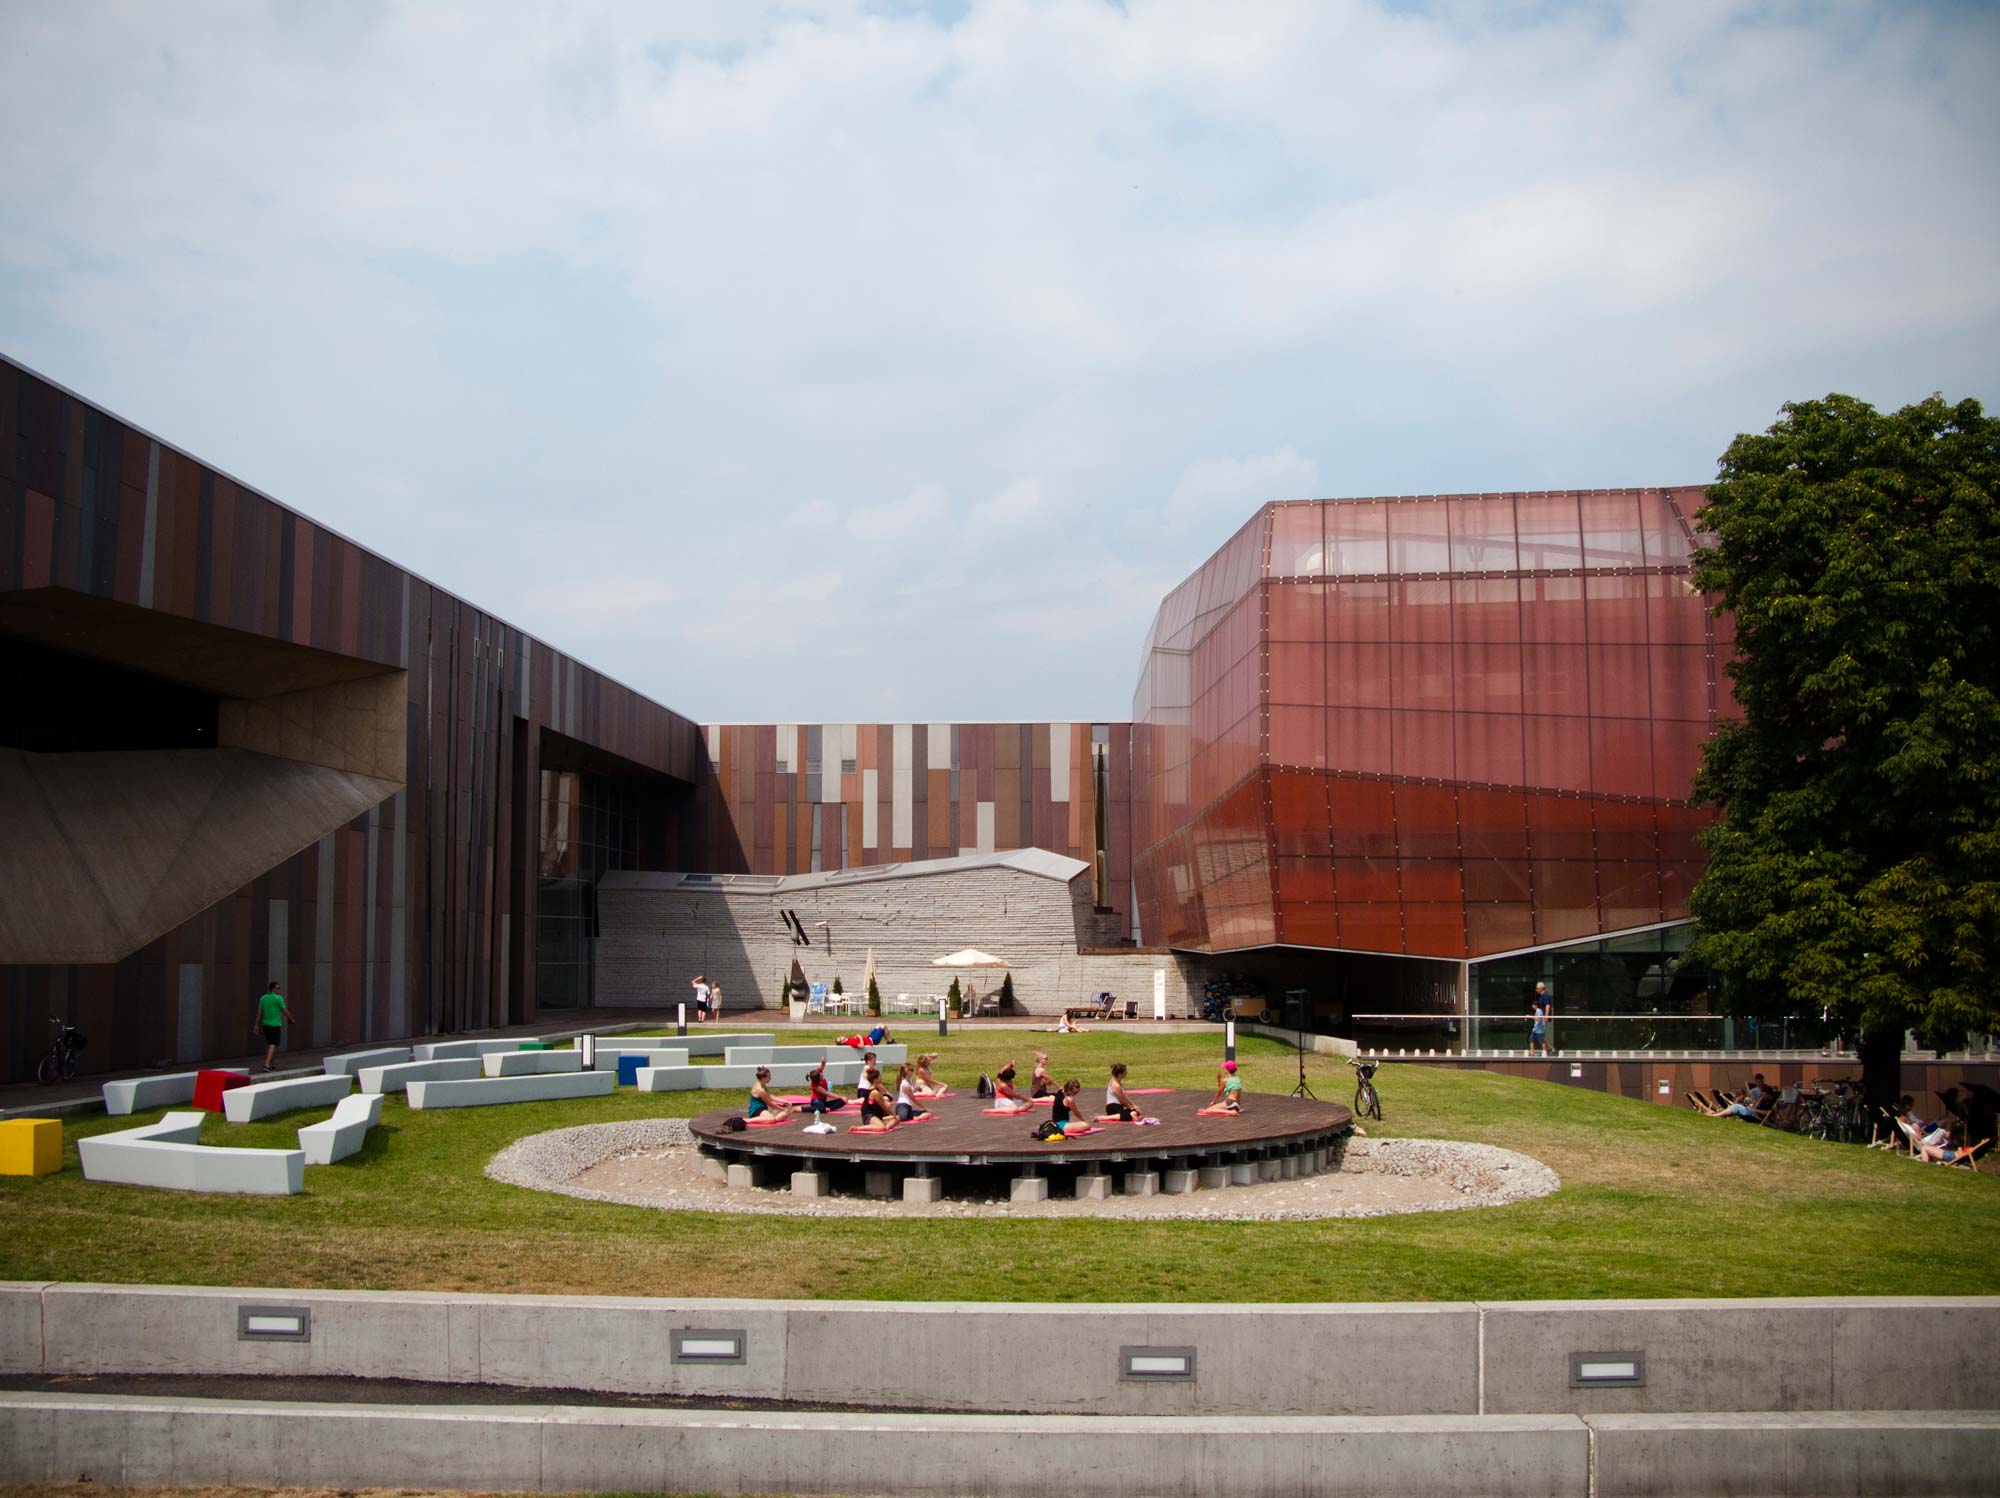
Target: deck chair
{"x": 1700, "y": 1101}
{"x": 1968, "y": 1156}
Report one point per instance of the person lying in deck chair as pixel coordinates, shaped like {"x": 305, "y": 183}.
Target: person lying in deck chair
{"x": 1755, "y": 1106}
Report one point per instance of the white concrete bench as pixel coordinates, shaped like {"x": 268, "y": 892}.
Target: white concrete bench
{"x": 396, "y": 1078}
{"x": 352, "y": 1061}
{"x": 530, "y": 1063}
{"x": 134, "y": 1093}
{"x": 262, "y": 1099}
{"x": 839, "y": 1074}
{"x": 455, "y": 1050}
{"x": 483, "y": 1090}
{"x": 341, "y": 1135}
{"x": 165, "y": 1154}
{"x": 657, "y": 1055}
{"x": 715, "y": 1042}
{"x": 888, "y": 1054}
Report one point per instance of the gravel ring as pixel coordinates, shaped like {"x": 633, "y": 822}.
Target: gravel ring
{"x": 1480, "y": 1175}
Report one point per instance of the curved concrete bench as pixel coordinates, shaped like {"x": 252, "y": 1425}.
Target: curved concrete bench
{"x": 134, "y": 1093}
{"x": 657, "y": 1055}
{"x": 458, "y": 1050}
{"x": 839, "y": 1074}
{"x": 352, "y": 1062}
{"x": 530, "y": 1063}
{"x": 484, "y": 1090}
{"x": 715, "y": 1042}
{"x": 396, "y": 1078}
{"x": 341, "y": 1135}
{"x": 165, "y": 1154}
{"x": 262, "y": 1099}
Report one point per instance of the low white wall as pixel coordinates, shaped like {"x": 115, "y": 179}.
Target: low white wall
{"x": 1503, "y": 1358}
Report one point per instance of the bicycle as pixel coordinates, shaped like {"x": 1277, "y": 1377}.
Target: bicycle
{"x": 60, "y": 1063}
{"x": 1367, "y": 1101}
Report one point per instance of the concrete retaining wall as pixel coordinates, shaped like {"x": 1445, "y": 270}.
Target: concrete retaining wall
{"x": 1501, "y": 1358}
{"x": 145, "y": 1440}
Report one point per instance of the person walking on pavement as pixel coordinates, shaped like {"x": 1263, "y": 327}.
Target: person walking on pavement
{"x": 273, "y": 1016}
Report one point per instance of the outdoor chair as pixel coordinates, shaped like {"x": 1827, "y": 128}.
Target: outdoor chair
{"x": 1969, "y": 1156}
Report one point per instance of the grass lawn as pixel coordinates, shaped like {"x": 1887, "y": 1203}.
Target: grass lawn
{"x": 1655, "y": 1202}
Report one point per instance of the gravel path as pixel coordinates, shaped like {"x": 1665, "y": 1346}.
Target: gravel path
{"x": 654, "y": 1163}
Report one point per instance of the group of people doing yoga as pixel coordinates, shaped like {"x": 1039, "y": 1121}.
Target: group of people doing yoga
{"x": 882, "y": 1107}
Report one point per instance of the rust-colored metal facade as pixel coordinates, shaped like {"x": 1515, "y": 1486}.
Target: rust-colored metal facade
{"x": 800, "y": 798}
{"x": 415, "y": 917}
{"x": 1442, "y": 726}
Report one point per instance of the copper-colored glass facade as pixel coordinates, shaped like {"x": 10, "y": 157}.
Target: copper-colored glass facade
{"x": 800, "y": 798}
{"x": 1444, "y": 726}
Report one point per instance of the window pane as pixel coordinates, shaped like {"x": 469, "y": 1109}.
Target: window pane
{"x": 1418, "y": 536}
{"x": 1420, "y": 610}
{"x": 1488, "y": 678}
{"x": 1486, "y": 608}
{"x": 1434, "y": 930}
{"x": 1357, "y": 539}
{"x": 1358, "y": 739}
{"x": 1363, "y": 820}
{"x": 1552, "y": 610}
{"x": 1358, "y": 611}
{"x": 1676, "y": 757}
{"x": 1298, "y": 673}
{"x": 1305, "y": 879}
{"x": 1616, "y": 609}
{"x": 1565, "y": 900}
{"x": 1555, "y": 679}
{"x": 1371, "y": 928}
{"x": 1621, "y": 757}
{"x": 1299, "y": 810}
{"x": 1560, "y": 827}
{"x": 1491, "y": 749}
{"x": 1550, "y": 532}
{"x": 1498, "y": 928}
{"x": 1426, "y": 822}
{"x": 1298, "y": 610}
{"x": 1365, "y": 879}
{"x": 1298, "y": 737}
{"x": 1556, "y": 752}
{"x": 1496, "y": 879}
{"x": 1494, "y": 824}
{"x": 1611, "y": 531}
{"x": 1625, "y": 834}
{"x": 1422, "y": 746}
{"x": 1665, "y": 537}
{"x": 1432, "y": 880}
{"x": 1310, "y": 925}
{"x": 1298, "y": 545}
{"x": 1422, "y": 676}
{"x": 1631, "y": 894}
{"x": 1619, "y": 676}
{"x": 1357, "y": 675}
{"x": 1680, "y": 683}
{"x": 1482, "y": 535}
{"x": 1675, "y": 613}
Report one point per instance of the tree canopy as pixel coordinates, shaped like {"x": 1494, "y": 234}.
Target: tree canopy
{"x": 1857, "y": 862}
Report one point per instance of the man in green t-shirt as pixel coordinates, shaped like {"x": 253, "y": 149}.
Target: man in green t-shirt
{"x": 272, "y": 1014}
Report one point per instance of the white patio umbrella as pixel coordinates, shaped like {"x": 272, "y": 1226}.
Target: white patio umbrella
{"x": 868, "y": 973}
{"x": 968, "y": 957}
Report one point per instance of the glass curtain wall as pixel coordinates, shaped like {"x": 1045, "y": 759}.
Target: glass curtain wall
{"x": 590, "y": 824}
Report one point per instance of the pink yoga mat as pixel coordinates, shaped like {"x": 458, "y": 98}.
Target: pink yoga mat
{"x": 1146, "y": 1091}
{"x": 1218, "y": 1112}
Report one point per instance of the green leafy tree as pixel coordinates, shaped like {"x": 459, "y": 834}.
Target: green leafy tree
{"x": 1857, "y": 863}
{"x": 1007, "y": 994}
{"x": 836, "y": 983}
{"x": 874, "y": 998}
{"x": 955, "y": 1000}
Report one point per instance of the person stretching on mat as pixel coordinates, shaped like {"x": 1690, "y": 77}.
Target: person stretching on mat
{"x": 824, "y": 1098}
{"x": 1004, "y": 1094}
{"x": 1228, "y": 1089}
{"x": 1062, "y": 1110}
{"x": 1116, "y": 1104}
{"x": 924, "y": 1084}
{"x": 761, "y": 1101}
{"x": 867, "y": 1069}
{"x": 907, "y": 1106}
{"x": 1041, "y": 1084}
{"x": 875, "y": 1114}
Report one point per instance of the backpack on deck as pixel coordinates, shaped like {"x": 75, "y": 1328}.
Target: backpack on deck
{"x": 985, "y": 1088}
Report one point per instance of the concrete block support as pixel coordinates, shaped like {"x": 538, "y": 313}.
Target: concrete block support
{"x": 811, "y": 1183}
{"x": 1213, "y": 1177}
{"x": 880, "y": 1183}
{"x": 1288, "y": 1167}
{"x": 1028, "y": 1189}
{"x": 922, "y": 1191}
{"x": 745, "y": 1175}
{"x": 1093, "y": 1186}
{"x": 1267, "y": 1170}
{"x": 1140, "y": 1183}
{"x": 1243, "y": 1173}
{"x": 714, "y": 1170}
{"x": 1177, "y": 1182}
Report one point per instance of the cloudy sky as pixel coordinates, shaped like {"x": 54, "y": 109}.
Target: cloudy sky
{"x": 891, "y": 361}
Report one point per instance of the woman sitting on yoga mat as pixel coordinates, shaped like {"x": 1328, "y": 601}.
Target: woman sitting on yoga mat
{"x": 1116, "y": 1103}
{"x": 907, "y": 1106}
{"x": 874, "y": 1102}
{"x": 1040, "y": 1083}
{"x": 1005, "y": 1094}
{"x": 1062, "y": 1111}
{"x": 923, "y": 1082}
{"x": 1228, "y": 1089}
{"x": 824, "y": 1098}
{"x": 761, "y": 1101}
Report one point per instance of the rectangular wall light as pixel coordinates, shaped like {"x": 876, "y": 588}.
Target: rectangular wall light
{"x": 1607, "y": 1370}
{"x": 1576, "y": 1069}
{"x": 709, "y": 1346}
{"x": 274, "y": 1323}
{"x": 1156, "y": 1364}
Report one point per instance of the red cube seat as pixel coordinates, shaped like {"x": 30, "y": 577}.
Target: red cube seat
{"x": 209, "y": 1087}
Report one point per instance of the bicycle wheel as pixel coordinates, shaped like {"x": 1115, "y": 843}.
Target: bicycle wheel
{"x": 48, "y": 1069}
{"x": 69, "y": 1066}
{"x": 1367, "y": 1102}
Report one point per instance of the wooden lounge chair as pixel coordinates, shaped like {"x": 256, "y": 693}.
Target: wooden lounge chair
{"x": 1968, "y": 1155}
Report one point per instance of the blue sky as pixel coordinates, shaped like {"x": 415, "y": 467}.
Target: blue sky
{"x": 892, "y": 361}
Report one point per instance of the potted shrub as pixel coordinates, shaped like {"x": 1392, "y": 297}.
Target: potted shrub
{"x": 1007, "y": 994}
{"x": 955, "y": 1001}
{"x": 874, "y": 998}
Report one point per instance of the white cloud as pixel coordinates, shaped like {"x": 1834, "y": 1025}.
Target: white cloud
{"x": 1223, "y": 491}
{"x": 725, "y": 295}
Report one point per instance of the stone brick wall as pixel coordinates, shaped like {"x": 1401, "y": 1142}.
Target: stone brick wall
{"x": 656, "y": 934}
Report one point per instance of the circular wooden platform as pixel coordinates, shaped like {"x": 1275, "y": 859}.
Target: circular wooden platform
{"x": 960, "y": 1133}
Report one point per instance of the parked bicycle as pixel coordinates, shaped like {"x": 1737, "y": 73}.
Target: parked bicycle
{"x": 1367, "y": 1101}
{"x": 60, "y": 1063}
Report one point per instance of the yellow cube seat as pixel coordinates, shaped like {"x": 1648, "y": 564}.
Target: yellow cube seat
{"x": 30, "y": 1146}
